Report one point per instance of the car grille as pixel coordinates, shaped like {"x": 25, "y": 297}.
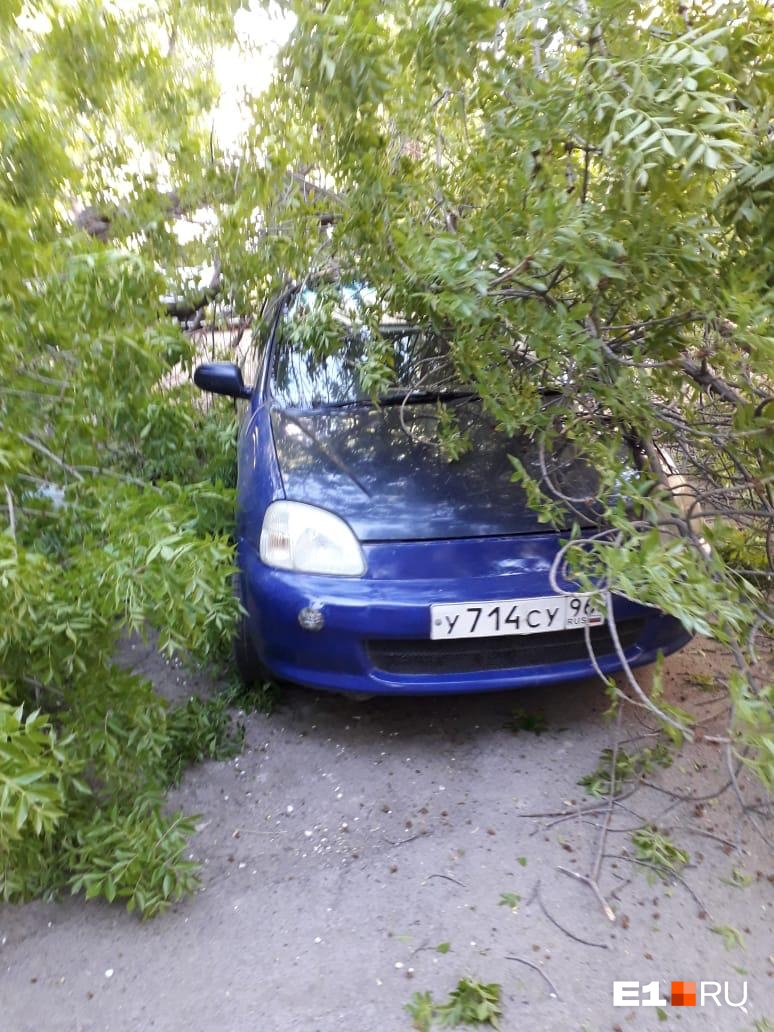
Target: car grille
{"x": 469, "y": 655}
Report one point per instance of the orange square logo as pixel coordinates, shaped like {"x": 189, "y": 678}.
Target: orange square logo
{"x": 683, "y": 994}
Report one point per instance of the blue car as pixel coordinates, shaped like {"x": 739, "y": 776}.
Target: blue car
{"x": 370, "y": 563}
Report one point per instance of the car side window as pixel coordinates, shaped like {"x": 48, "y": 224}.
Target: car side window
{"x": 254, "y": 346}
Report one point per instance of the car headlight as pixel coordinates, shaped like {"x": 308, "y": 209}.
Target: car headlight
{"x": 301, "y": 537}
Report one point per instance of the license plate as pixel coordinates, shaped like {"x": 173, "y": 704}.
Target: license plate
{"x": 513, "y": 616}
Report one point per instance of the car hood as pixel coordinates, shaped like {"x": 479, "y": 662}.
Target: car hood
{"x": 382, "y": 470}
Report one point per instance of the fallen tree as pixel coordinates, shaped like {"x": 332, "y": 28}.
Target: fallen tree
{"x": 580, "y": 198}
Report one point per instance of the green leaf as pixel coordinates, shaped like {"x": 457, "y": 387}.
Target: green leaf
{"x": 732, "y": 937}
{"x": 510, "y": 899}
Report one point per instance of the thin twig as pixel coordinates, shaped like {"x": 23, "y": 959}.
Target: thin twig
{"x": 554, "y": 993}
{"x": 742, "y": 802}
{"x": 11, "y": 514}
{"x": 619, "y": 888}
{"x": 662, "y": 872}
{"x": 680, "y": 798}
{"x": 584, "y": 809}
{"x": 555, "y": 923}
{"x": 403, "y": 842}
{"x": 33, "y": 443}
{"x": 592, "y": 879}
{"x": 447, "y": 877}
{"x": 611, "y": 796}
{"x": 609, "y": 912}
{"x": 717, "y": 838}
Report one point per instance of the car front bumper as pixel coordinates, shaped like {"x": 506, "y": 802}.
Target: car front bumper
{"x": 375, "y": 637}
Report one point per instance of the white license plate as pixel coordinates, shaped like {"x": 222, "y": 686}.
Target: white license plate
{"x": 513, "y": 616}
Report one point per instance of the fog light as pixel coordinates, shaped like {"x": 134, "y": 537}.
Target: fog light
{"x": 311, "y": 618}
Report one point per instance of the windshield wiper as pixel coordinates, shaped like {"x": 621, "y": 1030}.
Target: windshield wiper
{"x": 352, "y": 403}
{"x": 399, "y": 397}
{"x": 420, "y": 397}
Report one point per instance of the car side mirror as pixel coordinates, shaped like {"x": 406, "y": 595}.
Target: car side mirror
{"x": 222, "y": 378}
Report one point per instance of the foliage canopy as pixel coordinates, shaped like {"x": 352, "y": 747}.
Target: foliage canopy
{"x": 581, "y": 198}
{"x": 116, "y": 515}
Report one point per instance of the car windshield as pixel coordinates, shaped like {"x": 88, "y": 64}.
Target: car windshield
{"x": 419, "y": 361}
